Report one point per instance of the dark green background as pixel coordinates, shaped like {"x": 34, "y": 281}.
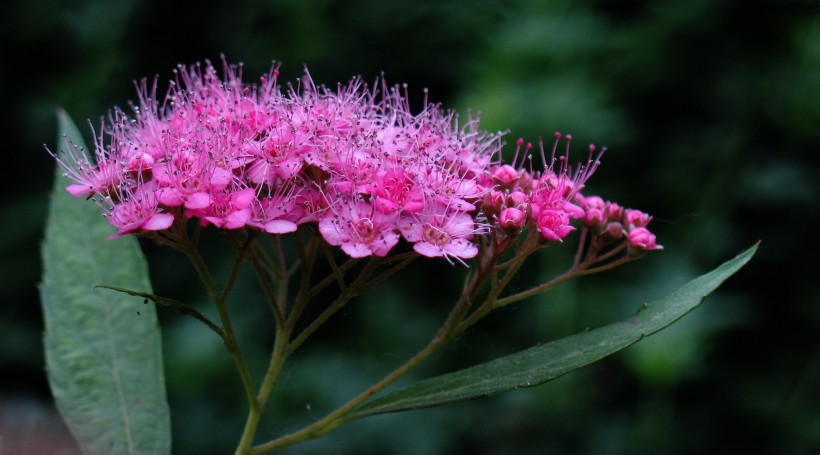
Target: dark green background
{"x": 710, "y": 110}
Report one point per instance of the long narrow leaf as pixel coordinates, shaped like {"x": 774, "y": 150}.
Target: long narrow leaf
{"x": 544, "y": 363}
{"x": 103, "y": 352}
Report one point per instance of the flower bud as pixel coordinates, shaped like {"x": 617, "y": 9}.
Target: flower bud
{"x": 640, "y": 240}
{"x": 493, "y": 202}
{"x": 614, "y": 231}
{"x": 512, "y": 220}
{"x": 589, "y": 202}
{"x": 636, "y": 218}
{"x": 613, "y": 211}
{"x": 595, "y": 220}
{"x": 518, "y": 199}
{"x": 525, "y": 182}
{"x": 505, "y": 176}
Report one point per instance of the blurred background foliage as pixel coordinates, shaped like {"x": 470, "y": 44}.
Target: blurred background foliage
{"x": 710, "y": 110}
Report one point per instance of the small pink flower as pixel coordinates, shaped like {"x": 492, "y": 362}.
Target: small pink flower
{"x": 588, "y": 202}
{"x": 139, "y": 212}
{"x": 278, "y": 155}
{"x": 359, "y": 229}
{"x": 102, "y": 180}
{"x": 227, "y": 209}
{"x": 276, "y": 215}
{"x": 440, "y": 232}
{"x": 190, "y": 179}
{"x": 554, "y": 225}
{"x": 396, "y": 191}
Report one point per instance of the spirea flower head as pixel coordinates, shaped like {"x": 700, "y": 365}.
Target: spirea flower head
{"x": 353, "y": 161}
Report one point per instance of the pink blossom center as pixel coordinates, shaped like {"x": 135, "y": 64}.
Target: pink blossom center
{"x": 366, "y": 230}
{"x": 434, "y": 235}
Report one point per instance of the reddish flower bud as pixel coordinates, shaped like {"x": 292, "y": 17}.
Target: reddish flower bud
{"x": 493, "y": 203}
{"x": 613, "y": 211}
{"x": 512, "y": 220}
{"x": 636, "y": 218}
{"x": 614, "y": 231}
{"x": 595, "y": 219}
{"x": 518, "y": 199}
{"x": 640, "y": 240}
{"x": 505, "y": 175}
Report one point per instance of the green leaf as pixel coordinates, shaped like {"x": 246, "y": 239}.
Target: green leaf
{"x": 544, "y": 363}
{"x": 103, "y": 349}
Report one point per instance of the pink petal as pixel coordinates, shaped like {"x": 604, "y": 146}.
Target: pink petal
{"x": 428, "y": 249}
{"x": 384, "y": 244}
{"x": 258, "y": 172}
{"x": 413, "y": 206}
{"x": 237, "y": 219}
{"x": 220, "y": 179}
{"x": 243, "y": 199}
{"x": 573, "y": 210}
{"x": 385, "y": 205}
{"x": 204, "y": 221}
{"x": 289, "y": 168}
{"x": 330, "y": 232}
{"x": 410, "y": 228}
{"x": 280, "y": 227}
{"x": 170, "y": 197}
{"x": 356, "y": 250}
{"x": 198, "y": 200}
{"x": 79, "y": 190}
{"x": 158, "y": 222}
{"x": 461, "y": 248}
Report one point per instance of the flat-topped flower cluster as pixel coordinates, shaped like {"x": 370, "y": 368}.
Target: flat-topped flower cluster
{"x": 353, "y": 161}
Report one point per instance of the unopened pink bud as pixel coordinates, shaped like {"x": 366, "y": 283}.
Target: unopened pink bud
{"x": 636, "y": 218}
{"x": 493, "y": 202}
{"x": 517, "y": 199}
{"x": 512, "y": 220}
{"x": 140, "y": 162}
{"x": 505, "y": 175}
{"x": 614, "y": 231}
{"x": 589, "y": 202}
{"x": 525, "y": 182}
{"x": 640, "y": 240}
{"x": 595, "y": 219}
{"x": 613, "y": 211}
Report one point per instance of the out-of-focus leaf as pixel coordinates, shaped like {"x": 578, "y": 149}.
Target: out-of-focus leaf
{"x": 103, "y": 350}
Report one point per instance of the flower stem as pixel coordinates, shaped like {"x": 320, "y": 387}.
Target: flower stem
{"x": 229, "y": 336}
{"x": 448, "y": 330}
{"x": 277, "y": 361}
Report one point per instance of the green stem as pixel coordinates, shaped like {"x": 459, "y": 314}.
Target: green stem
{"x": 283, "y": 347}
{"x": 241, "y": 250}
{"x": 277, "y": 361}
{"x": 336, "y": 418}
{"x": 447, "y": 331}
{"x": 229, "y": 339}
{"x": 573, "y": 272}
{"x": 265, "y": 281}
{"x": 348, "y": 292}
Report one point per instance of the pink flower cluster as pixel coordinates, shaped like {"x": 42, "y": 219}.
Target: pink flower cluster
{"x": 353, "y": 161}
